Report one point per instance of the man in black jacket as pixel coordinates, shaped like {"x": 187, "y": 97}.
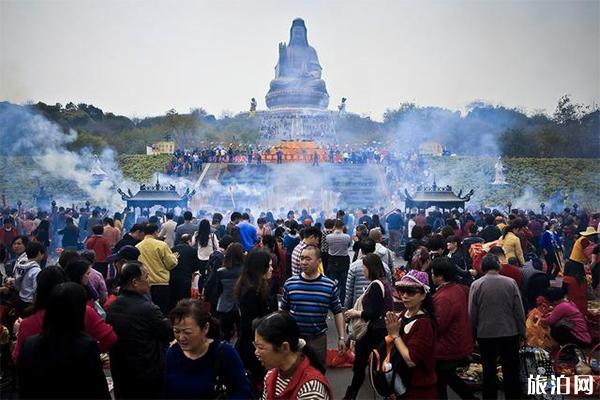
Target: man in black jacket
{"x": 135, "y": 235}
{"x": 137, "y": 360}
{"x": 491, "y": 232}
{"x": 180, "y": 280}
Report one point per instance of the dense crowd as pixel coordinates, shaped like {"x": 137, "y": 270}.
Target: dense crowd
{"x": 186, "y": 162}
{"x": 207, "y": 307}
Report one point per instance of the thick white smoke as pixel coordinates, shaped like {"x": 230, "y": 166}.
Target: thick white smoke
{"x": 24, "y": 133}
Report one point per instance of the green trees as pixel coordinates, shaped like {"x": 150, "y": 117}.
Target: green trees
{"x": 484, "y": 129}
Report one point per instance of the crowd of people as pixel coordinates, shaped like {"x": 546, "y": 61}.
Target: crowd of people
{"x": 207, "y": 307}
{"x": 190, "y": 161}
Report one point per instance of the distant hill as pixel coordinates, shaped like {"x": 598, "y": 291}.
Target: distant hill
{"x": 572, "y": 131}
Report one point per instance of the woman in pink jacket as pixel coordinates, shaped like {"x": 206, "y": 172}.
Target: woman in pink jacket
{"x": 47, "y": 279}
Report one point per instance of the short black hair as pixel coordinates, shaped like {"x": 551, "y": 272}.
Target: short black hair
{"x": 367, "y": 245}
{"x": 130, "y": 271}
{"x": 135, "y": 228}
{"x": 442, "y": 266}
{"x": 312, "y": 231}
{"x": 97, "y": 229}
{"x": 24, "y": 240}
{"x": 76, "y": 269}
{"x": 33, "y": 249}
{"x": 235, "y": 216}
{"x": 315, "y": 249}
{"x": 436, "y": 242}
{"x": 453, "y": 239}
{"x": 490, "y": 262}
{"x": 187, "y": 216}
{"x": 555, "y": 293}
{"x": 514, "y": 261}
{"x": 496, "y": 250}
{"x": 417, "y": 232}
{"x": 150, "y": 229}
{"x": 225, "y": 241}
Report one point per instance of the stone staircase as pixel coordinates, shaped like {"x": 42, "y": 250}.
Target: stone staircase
{"x": 360, "y": 185}
{"x": 269, "y": 186}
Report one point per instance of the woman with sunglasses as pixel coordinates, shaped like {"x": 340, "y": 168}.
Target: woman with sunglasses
{"x": 413, "y": 334}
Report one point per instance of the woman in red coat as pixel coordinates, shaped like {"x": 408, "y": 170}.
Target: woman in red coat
{"x": 577, "y": 285}
{"x": 294, "y": 369}
{"x": 413, "y": 335}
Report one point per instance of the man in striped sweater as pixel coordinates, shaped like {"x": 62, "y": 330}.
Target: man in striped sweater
{"x": 310, "y": 237}
{"x": 309, "y": 297}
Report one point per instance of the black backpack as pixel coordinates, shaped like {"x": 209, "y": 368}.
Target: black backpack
{"x": 211, "y": 287}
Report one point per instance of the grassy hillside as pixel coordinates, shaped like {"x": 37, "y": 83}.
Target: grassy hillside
{"x": 140, "y": 168}
{"x": 531, "y": 180}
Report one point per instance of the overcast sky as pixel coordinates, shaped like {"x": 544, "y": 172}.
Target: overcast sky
{"x": 141, "y": 58}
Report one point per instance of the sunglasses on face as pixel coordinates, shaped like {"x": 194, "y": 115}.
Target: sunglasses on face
{"x": 410, "y": 290}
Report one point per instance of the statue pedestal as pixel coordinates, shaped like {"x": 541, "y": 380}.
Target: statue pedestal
{"x": 298, "y": 124}
{"x": 297, "y": 98}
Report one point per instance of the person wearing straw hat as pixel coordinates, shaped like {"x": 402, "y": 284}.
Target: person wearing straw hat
{"x": 589, "y": 237}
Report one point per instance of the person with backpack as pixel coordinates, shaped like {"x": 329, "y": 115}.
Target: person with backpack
{"x": 210, "y": 292}
{"x": 199, "y": 365}
{"x": 412, "y": 335}
{"x": 294, "y": 369}
{"x": 375, "y": 302}
{"x": 207, "y": 243}
{"x": 180, "y": 278}
{"x": 25, "y": 276}
{"x": 227, "y": 276}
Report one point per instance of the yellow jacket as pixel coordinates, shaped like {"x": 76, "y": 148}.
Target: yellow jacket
{"x": 158, "y": 258}
{"x": 511, "y": 244}
{"x": 577, "y": 253}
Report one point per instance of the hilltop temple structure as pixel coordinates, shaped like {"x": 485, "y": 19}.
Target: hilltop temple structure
{"x": 297, "y": 99}
{"x": 297, "y": 80}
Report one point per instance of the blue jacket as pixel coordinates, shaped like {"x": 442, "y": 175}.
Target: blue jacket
{"x": 248, "y": 235}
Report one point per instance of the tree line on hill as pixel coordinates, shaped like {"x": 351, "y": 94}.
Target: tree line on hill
{"x": 484, "y": 129}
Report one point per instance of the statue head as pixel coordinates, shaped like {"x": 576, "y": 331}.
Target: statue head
{"x": 298, "y": 33}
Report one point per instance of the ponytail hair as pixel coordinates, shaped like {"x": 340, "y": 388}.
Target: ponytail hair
{"x": 279, "y": 327}
{"x": 429, "y": 309}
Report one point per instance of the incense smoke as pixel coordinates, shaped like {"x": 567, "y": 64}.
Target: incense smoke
{"x": 25, "y": 133}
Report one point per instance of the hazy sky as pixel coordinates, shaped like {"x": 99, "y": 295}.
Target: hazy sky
{"x": 141, "y": 58}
